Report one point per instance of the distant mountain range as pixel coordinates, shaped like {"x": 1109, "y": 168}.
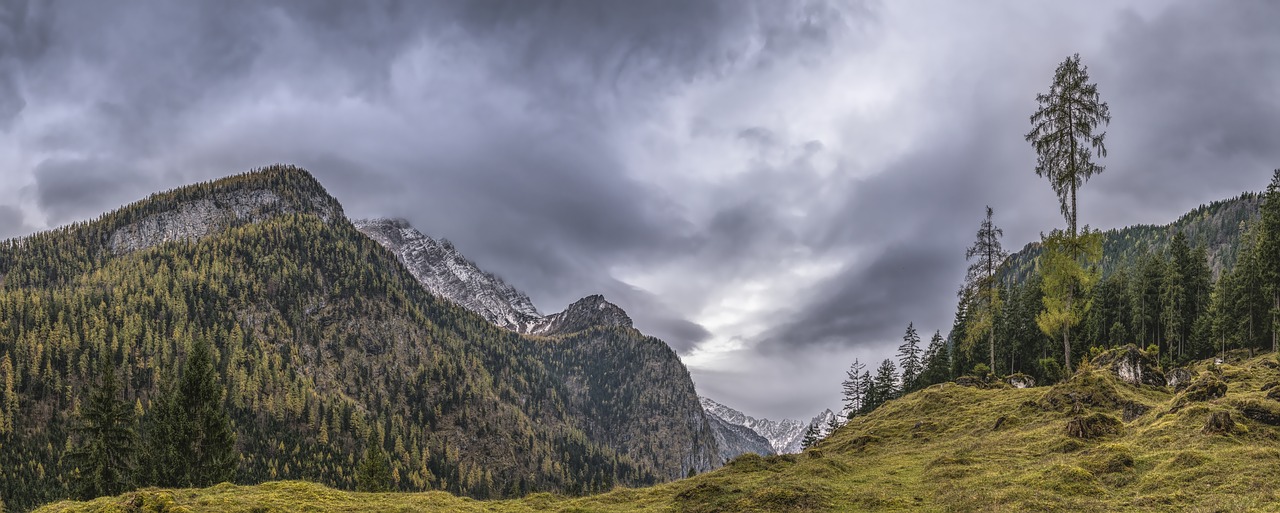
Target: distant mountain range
{"x": 783, "y": 436}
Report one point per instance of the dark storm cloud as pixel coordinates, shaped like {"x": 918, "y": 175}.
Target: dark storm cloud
{"x": 513, "y": 128}
{"x": 1194, "y": 100}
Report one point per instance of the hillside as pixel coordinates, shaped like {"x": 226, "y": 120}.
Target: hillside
{"x": 322, "y": 338}
{"x": 945, "y": 448}
{"x": 1217, "y": 226}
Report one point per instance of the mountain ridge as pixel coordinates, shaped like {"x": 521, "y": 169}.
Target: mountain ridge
{"x": 323, "y": 340}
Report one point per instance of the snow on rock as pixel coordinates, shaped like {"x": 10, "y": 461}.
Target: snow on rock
{"x": 785, "y": 436}
{"x": 445, "y": 272}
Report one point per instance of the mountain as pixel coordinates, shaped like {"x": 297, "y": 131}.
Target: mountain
{"x": 324, "y": 340}
{"x": 734, "y": 440}
{"x": 445, "y": 272}
{"x": 448, "y": 274}
{"x": 1217, "y": 226}
{"x": 1090, "y": 443}
{"x": 784, "y": 436}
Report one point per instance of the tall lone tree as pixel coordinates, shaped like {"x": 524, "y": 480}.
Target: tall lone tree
{"x": 374, "y": 473}
{"x": 189, "y": 431}
{"x": 981, "y": 283}
{"x": 103, "y": 456}
{"x": 1062, "y": 134}
{"x": 909, "y": 357}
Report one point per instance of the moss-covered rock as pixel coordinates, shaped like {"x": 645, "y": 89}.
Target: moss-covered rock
{"x": 1132, "y": 365}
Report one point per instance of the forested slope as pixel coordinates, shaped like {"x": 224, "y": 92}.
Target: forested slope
{"x": 323, "y": 341}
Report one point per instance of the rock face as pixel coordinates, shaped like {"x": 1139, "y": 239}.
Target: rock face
{"x": 784, "y": 436}
{"x": 194, "y": 219}
{"x": 1131, "y": 365}
{"x": 1178, "y": 379}
{"x": 446, "y": 273}
{"x": 735, "y": 440}
{"x": 585, "y": 313}
{"x": 632, "y": 392}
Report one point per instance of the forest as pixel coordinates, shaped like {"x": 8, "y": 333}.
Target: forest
{"x": 296, "y": 348}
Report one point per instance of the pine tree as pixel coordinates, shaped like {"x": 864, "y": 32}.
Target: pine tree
{"x": 833, "y": 423}
{"x": 374, "y": 474}
{"x": 909, "y": 357}
{"x": 983, "y": 287}
{"x": 1062, "y": 134}
{"x": 810, "y": 436}
{"x": 884, "y": 386}
{"x": 1174, "y": 296}
{"x": 937, "y": 365}
{"x": 853, "y": 388}
{"x": 1269, "y": 254}
{"x": 190, "y": 437}
{"x": 104, "y": 452}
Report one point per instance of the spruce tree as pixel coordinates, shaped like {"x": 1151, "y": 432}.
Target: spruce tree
{"x": 189, "y": 435}
{"x": 374, "y": 473}
{"x": 909, "y": 357}
{"x": 810, "y": 436}
{"x": 853, "y": 389}
{"x": 1269, "y": 254}
{"x": 983, "y": 287}
{"x": 103, "y": 456}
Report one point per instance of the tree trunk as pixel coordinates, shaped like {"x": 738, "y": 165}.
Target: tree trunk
{"x": 1066, "y": 336}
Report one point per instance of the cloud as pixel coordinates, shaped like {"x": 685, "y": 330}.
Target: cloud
{"x": 775, "y": 188}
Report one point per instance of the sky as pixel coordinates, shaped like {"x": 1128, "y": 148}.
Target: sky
{"x": 773, "y": 188}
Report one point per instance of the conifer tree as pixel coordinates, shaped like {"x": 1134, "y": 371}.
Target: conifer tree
{"x": 909, "y": 357}
{"x": 1062, "y": 134}
{"x": 103, "y": 456}
{"x": 884, "y": 386}
{"x": 190, "y": 437}
{"x": 983, "y": 288}
{"x": 374, "y": 474}
{"x": 810, "y": 436}
{"x": 853, "y": 388}
{"x": 1269, "y": 253}
{"x": 833, "y": 424}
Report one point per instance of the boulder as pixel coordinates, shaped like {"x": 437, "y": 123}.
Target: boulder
{"x": 1178, "y": 379}
{"x": 1131, "y": 365}
{"x": 1020, "y": 380}
{"x": 1205, "y": 387}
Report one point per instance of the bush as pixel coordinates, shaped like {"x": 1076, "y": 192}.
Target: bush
{"x": 1050, "y": 371}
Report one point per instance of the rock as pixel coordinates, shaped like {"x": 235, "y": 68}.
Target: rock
{"x": 1132, "y": 410}
{"x": 1020, "y": 380}
{"x": 1093, "y": 426}
{"x": 586, "y": 313}
{"x": 1178, "y": 379}
{"x": 1274, "y": 394}
{"x": 194, "y": 219}
{"x": 1131, "y": 365}
{"x": 1219, "y": 422}
{"x": 1261, "y": 412}
{"x": 971, "y": 381}
{"x": 1205, "y": 387}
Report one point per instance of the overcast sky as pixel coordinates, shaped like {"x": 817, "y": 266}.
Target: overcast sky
{"x": 774, "y": 188}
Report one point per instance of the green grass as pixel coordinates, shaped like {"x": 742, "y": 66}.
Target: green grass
{"x": 934, "y": 450}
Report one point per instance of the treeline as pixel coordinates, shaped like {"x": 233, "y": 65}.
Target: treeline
{"x": 322, "y": 346}
{"x": 1209, "y": 283}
